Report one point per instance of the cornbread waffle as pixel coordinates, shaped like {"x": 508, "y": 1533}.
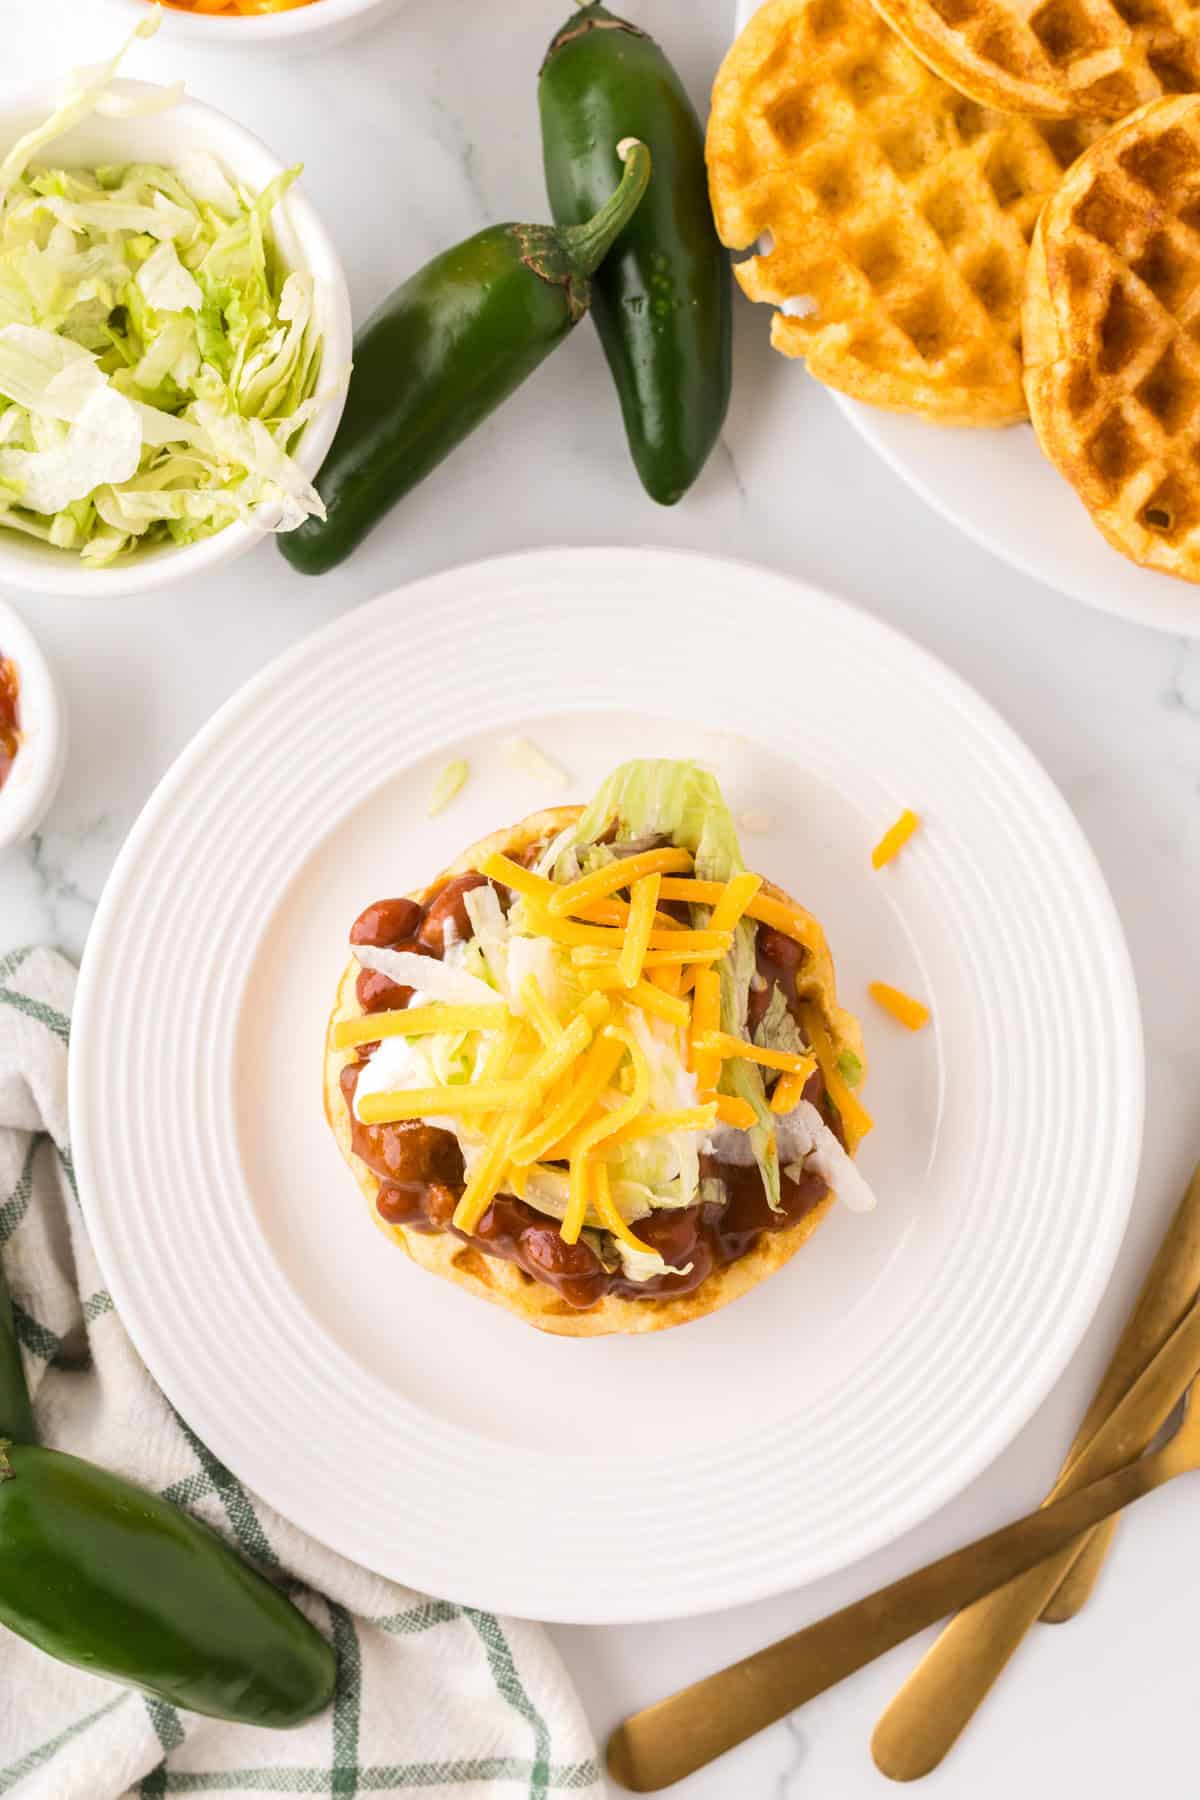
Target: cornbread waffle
{"x": 1112, "y": 312}
{"x": 489, "y": 1278}
{"x": 1056, "y": 58}
{"x": 898, "y": 211}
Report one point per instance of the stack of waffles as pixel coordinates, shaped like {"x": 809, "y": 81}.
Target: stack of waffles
{"x": 979, "y": 212}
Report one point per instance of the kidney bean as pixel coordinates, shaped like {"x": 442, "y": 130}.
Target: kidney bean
{"x": 672, "y": 1233}
{"x": 378, "y": 993}
{"x": 375, "y": 993}
{"x": 783, "y": 951}
{"x": 447, "y": 908}
{"x": 572, "y": 1268}
{"x": 399, "y": 1203}
{"x": 408, "y": 1150}
{"x": 386, "y": 923}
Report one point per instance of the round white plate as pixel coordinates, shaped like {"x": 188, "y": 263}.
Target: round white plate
{"x": 999, "y": 488}
{"x": 440, "y": 1440}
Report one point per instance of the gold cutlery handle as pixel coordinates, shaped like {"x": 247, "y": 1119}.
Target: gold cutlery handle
{"x": 954, "y": 1675}
{"x": 1076, "y": 1585}
{"x": 674, "y": 1738}
{"x": 1170, "y": 1287}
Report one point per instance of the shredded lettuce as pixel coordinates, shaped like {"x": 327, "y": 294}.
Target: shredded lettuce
{"x": 156, "y": 362}
{"x": 680, "y": 801}
{"x": 655, "y": 797}
{"x": 777, "y": 1029}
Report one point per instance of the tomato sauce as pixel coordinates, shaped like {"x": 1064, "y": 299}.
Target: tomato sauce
{"x": 10, "y": 731}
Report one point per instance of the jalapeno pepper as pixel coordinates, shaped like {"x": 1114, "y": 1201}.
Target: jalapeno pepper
{"x": 100, "y": 1573}
{"x": 16, "y": 1413}
{"x": 661, "y": 302}
{"x": 442, "y": 353}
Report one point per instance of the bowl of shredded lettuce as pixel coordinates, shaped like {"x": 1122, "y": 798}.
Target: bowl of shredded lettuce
{"x": 175, "y": 338}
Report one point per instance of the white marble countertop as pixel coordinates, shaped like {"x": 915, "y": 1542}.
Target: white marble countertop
{"x": 441, "y": 98}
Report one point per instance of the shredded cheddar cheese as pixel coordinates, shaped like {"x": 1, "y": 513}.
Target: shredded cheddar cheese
{"x": 648, "y": 995}
{"x": 652, "y": 1124}
{"x": 739, "y": 892}
{"x": 894, "y": 838}
{"x": 639, "y": 930}
{"x": 855, "y": 1116}
{"x": 486, "y": 1178}
{"x": 622, "y": 872}
{"x": 587, "y": 1084}
{"x": 597, "y": 955}
{"x": 903, "y": 1007}
{"x": 419, "y": 1103}
{"x": 413, "y": 1021}
{"x": 595, "y": 1133}
{"x": 722, "y": 1045}
{"x": 569, "y": 1081}
{"x": 706, "y": 1019}
{"x": 538, "y": 1012}
{"x": 669, "y": 979}
{"x": 488, "y": 1175}
{"x": 791, "y": 920}
{"x": 510, "y": 874}
{"x": 608, "y": 937}
{"x": 616, "y": 912}
{"x": 789, "y": 1089}
{"x": 607, "y": 1213}
{"x": 732, "y": 1111}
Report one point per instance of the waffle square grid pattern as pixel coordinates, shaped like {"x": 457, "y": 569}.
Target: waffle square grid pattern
{"x": 1113, "y": 335}
{"x": 1061, "y": 58}
{"x": 894, "y": 213}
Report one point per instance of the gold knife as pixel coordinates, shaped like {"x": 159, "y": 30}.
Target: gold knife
{"x": 1167, "y": 1292}
{"x": 679, "y": 1735}
{"x": 956, "y": 1673}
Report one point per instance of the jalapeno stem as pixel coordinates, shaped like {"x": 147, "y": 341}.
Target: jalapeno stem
{"x": 588, "y": 244}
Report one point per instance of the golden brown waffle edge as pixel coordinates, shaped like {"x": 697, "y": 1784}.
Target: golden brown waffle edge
{"x": 896, "y": 212}
{"x": 1056, "y": 58}
{"x": 1112, "y": 335}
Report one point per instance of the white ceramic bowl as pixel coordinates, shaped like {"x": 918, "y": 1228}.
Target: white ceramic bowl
{"x": 303, "y": 243}
{"x": 300, "y": 28}
{"x": 37, "y": 769}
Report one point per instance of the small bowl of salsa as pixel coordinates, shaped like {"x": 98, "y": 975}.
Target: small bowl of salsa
{"x": 271, "y": 25}
{"x": 33, "y": 737}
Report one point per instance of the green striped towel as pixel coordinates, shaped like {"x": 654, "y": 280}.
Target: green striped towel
{"x": 432, "y": 1699}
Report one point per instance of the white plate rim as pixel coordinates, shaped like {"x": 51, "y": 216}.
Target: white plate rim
{"x": 1142, "y": 596}
{"x": 505, "y": 1594}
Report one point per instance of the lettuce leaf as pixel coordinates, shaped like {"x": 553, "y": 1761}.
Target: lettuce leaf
{"x": 777, "y": 1029}
{"x": 656, "y": 797}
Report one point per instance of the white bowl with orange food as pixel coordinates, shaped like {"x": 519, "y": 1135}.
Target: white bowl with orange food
{"x": 264, "y": 24}
{"x": 33, "y": 731}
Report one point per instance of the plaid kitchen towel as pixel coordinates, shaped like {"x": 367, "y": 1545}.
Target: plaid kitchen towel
{"x": 431, "y": 1698}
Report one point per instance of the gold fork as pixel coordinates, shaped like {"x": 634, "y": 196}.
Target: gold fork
{"x": 679, "y": 1735}
{"x": 942, "y": 1693}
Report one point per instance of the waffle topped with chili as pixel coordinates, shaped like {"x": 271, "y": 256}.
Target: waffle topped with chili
{"x": 597, "y": 1072}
